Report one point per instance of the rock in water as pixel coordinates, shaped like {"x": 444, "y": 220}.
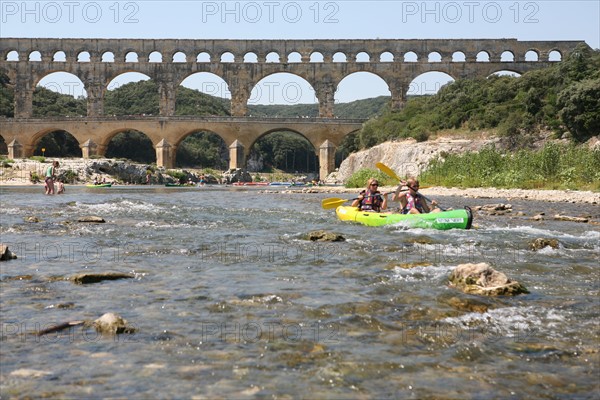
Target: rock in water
{"x": 540, "y": 243}
{"x": 6, "y": 254}
{"x": 324, "y": 236}
{"x": 112, "y": 324}
{"x": 484, "y": 280}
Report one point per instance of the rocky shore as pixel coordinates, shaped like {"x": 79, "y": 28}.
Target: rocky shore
{"x": 85, "y": 171}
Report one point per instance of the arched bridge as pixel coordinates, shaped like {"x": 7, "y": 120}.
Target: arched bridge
{"x": 242, "y": 64}
{"x": 166, "y": 133}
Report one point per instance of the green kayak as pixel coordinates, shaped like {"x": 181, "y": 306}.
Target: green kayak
{"x": 453, "y": 219}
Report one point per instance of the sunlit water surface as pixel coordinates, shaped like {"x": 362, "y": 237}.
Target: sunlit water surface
{"x": 230, "y": 301}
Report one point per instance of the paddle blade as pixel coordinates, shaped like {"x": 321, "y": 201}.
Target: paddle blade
{"x": 387, "y": 170}
{"x": 332, "y": 202}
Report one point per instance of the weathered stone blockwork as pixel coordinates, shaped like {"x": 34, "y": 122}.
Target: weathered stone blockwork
{"x": 313, "y": 60}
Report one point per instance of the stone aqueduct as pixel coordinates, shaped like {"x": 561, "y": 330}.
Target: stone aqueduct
{"x": 27, "y": 61}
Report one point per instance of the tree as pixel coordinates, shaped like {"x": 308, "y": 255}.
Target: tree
{"x": 580, "y": 103}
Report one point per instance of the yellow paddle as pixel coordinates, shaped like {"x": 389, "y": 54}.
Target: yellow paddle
{"x": 389, "y": 172}
{"x": 335, "y": 202}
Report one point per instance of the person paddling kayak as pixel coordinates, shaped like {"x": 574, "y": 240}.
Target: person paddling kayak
{"x": 371, "y": 199}
{"x": 411, "y": 201}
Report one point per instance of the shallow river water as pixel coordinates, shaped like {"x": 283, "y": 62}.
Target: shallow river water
{"x": 228, "y": 300}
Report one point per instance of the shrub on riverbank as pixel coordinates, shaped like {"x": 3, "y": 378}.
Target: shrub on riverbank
{"x": 359, "y": 178}
{"x": 554, "y": 166}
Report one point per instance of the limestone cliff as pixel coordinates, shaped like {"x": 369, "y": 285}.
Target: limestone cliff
{"x": 406, "y": 157}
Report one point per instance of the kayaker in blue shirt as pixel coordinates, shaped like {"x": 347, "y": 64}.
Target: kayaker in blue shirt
{"x": 411, "y": 201}
{"x": 371, "y": 199}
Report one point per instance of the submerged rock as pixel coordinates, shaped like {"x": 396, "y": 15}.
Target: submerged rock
{"x": 93, "y": 219}
{"x": 112, "y": 324}
{"x": 84, "y": 279}
{"x": 6, "y": 254}
{"x": 324, "y": 236}
{"x": 540, "y": 243}
{"x": 570, "y": 219}
{"x": 482, "y": 279}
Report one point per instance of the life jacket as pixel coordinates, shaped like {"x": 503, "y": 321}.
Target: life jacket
{"x": 413, "y": 202}
{"x": 371, "y": 202}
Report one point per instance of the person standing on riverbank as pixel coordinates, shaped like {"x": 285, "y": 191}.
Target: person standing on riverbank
{"x": 50, "y": 177}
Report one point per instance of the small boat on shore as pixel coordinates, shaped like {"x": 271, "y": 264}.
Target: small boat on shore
{"x": 100, "y": 185}
{"x": 451, "y": 219}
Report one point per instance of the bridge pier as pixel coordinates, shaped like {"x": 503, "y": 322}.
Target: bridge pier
{"x": 17, "y": 150}
{"x": 326, "y": 159}
{"x": 236, "y": 155}
{"x": 165, "y": 154}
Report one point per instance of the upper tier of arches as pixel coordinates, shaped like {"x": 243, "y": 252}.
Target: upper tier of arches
{"x": 280, "y": 51}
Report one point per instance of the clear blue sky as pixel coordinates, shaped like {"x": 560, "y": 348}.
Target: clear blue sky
{"x": 281, "y": 19}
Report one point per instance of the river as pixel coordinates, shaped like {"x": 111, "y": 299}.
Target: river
{"x": 228, "y": 300}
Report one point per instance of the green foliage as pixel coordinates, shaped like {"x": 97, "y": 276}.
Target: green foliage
{"x": 285, "y": 151}
{"x": 580, "y": 108}
{"x": 58, "y": 144}
{"x": 34, "y": 177}
{"x": 38, "y": 158}
{"x": 552, "y": 167}
{"x": 202, "y": 149}
{"x": 70, "y": 176}
{"x": 134, "y": 98}
{"x": 47, "y": 103}
{"x": 567, "y": 93}
{"x": 132, "y": 145}
{"x": 180, "y": 176}
{"x": 359, "y": 178}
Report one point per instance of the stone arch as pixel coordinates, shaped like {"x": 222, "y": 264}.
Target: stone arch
{"x": 59, "y": 56}
{"x": 56, "y": 143}
{"x": 179, "y": 57}
{"x": 250, "y": 57}
{"x": 532, "y": 56}
{"x": 507, "y": 56}
{"x": 140, "y": 148}
{"x": 272, "y": 57}
{"x": 202, "y": 148}
{"x": 459, "y": 56}
{"x": 83, "y": 56}
{"x": 434, "y": 57}
{"x": 411, "y": 56}
{"x": 555, "y": 56}
{"x": 108, "y": 56}
{"x": 340, "y": 57}
{"x": 360, "y": 85}
{"x": 12, "y": 55}
{"x": 316, "y": 57}
{"x": 271, "y": 90}
{"x": 506, "y": 72}
{"x": 124, "y": 77}
{"x": 428, "y": 83}
{"x": 207, "y": 83}
{"x": 363, "y": 56}
{"x": 203, "y": 57}
{"x": 386, "y": 56}
{"x": 227, "y": 57}
{"x": 483, "y": 56}
{"x": 62, "y": 82}
{"x": 302, "y": 158}
{"x": 155, "y": 57}
{"x": 131, "y": 56}
{"x": 294, "y": 57}
{"x": 35, "y": 56}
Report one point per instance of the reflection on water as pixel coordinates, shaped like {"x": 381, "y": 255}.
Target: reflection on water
{"x": 229, "y": 301}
